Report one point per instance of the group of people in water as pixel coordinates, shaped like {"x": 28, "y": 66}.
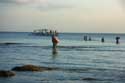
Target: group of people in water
{"x": 86, "y": 38}
{"x": 55, "y": 41}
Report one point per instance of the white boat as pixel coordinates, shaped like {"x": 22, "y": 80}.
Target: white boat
{"x": 44, "y": 32}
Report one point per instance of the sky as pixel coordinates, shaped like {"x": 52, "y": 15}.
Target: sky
{"x": 94, "y": 16}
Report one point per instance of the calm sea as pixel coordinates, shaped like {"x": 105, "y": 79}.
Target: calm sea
{"x": 79, "y": 60}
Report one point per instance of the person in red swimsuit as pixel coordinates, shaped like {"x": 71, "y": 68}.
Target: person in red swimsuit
{"x": 55, "y": 41}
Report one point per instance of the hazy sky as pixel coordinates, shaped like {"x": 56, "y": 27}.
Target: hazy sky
{"x": 63, "y": 15}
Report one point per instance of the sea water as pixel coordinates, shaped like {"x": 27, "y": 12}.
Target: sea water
{"x": 79, "y": 61}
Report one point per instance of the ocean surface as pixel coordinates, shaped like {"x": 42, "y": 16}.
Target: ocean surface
{"x": 80, "y": 61}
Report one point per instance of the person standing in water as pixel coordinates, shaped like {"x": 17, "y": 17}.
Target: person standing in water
{"x": 117, "y": 40}
{"x": 85, "y": 38}
{"x": 102, "y": 40}
{"x": 55, "y": 41}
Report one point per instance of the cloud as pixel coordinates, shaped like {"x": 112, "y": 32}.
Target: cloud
{"x": 122, "y": 3}
{"x": 19, "y": 1}
{"x": 41, "y": 4}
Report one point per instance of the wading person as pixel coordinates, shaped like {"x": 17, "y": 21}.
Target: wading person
{"x": 117, "y": 40}
{"x": 55, "y": 41}
{"x": 85, "y": 38}
{"x": 102, "y": 40}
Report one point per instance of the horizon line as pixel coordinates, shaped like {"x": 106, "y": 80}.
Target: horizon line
{"x": 71, "y": 32}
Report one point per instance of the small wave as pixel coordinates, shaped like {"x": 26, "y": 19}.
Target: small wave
{"x": 35, "y": 45}
{"x": 100, "y": 50}
{"x": 72, "y": 67}
{"x": 90, "y": 48}
{"x": 74, "y": 79}
{"x": 67, "y": 48}
{"x": 59, "y": 46}
{"x": 70, "y": 47}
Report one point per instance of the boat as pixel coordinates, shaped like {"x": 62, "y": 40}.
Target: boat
{"x": 45, "y": 32}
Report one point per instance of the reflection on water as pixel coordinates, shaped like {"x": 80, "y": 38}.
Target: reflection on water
{"x": 54, "y": 53}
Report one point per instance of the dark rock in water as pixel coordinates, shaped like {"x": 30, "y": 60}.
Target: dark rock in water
{"x": 89, "y": 79}
{"x": 10, "y": 43}
{"x": 4, "y": 73}
{"x": 32, "y": 68}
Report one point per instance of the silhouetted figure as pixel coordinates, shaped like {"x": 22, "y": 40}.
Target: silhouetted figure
{"x": 85, "y": 38}
{"x": 90, "y": 39}
{"x": 117, "y": 40}
{"x": 55, "y": 41}
{"x": 50, "y": 31}
{"x": 56, "y": 33}
{"x": 102, "y": 40}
